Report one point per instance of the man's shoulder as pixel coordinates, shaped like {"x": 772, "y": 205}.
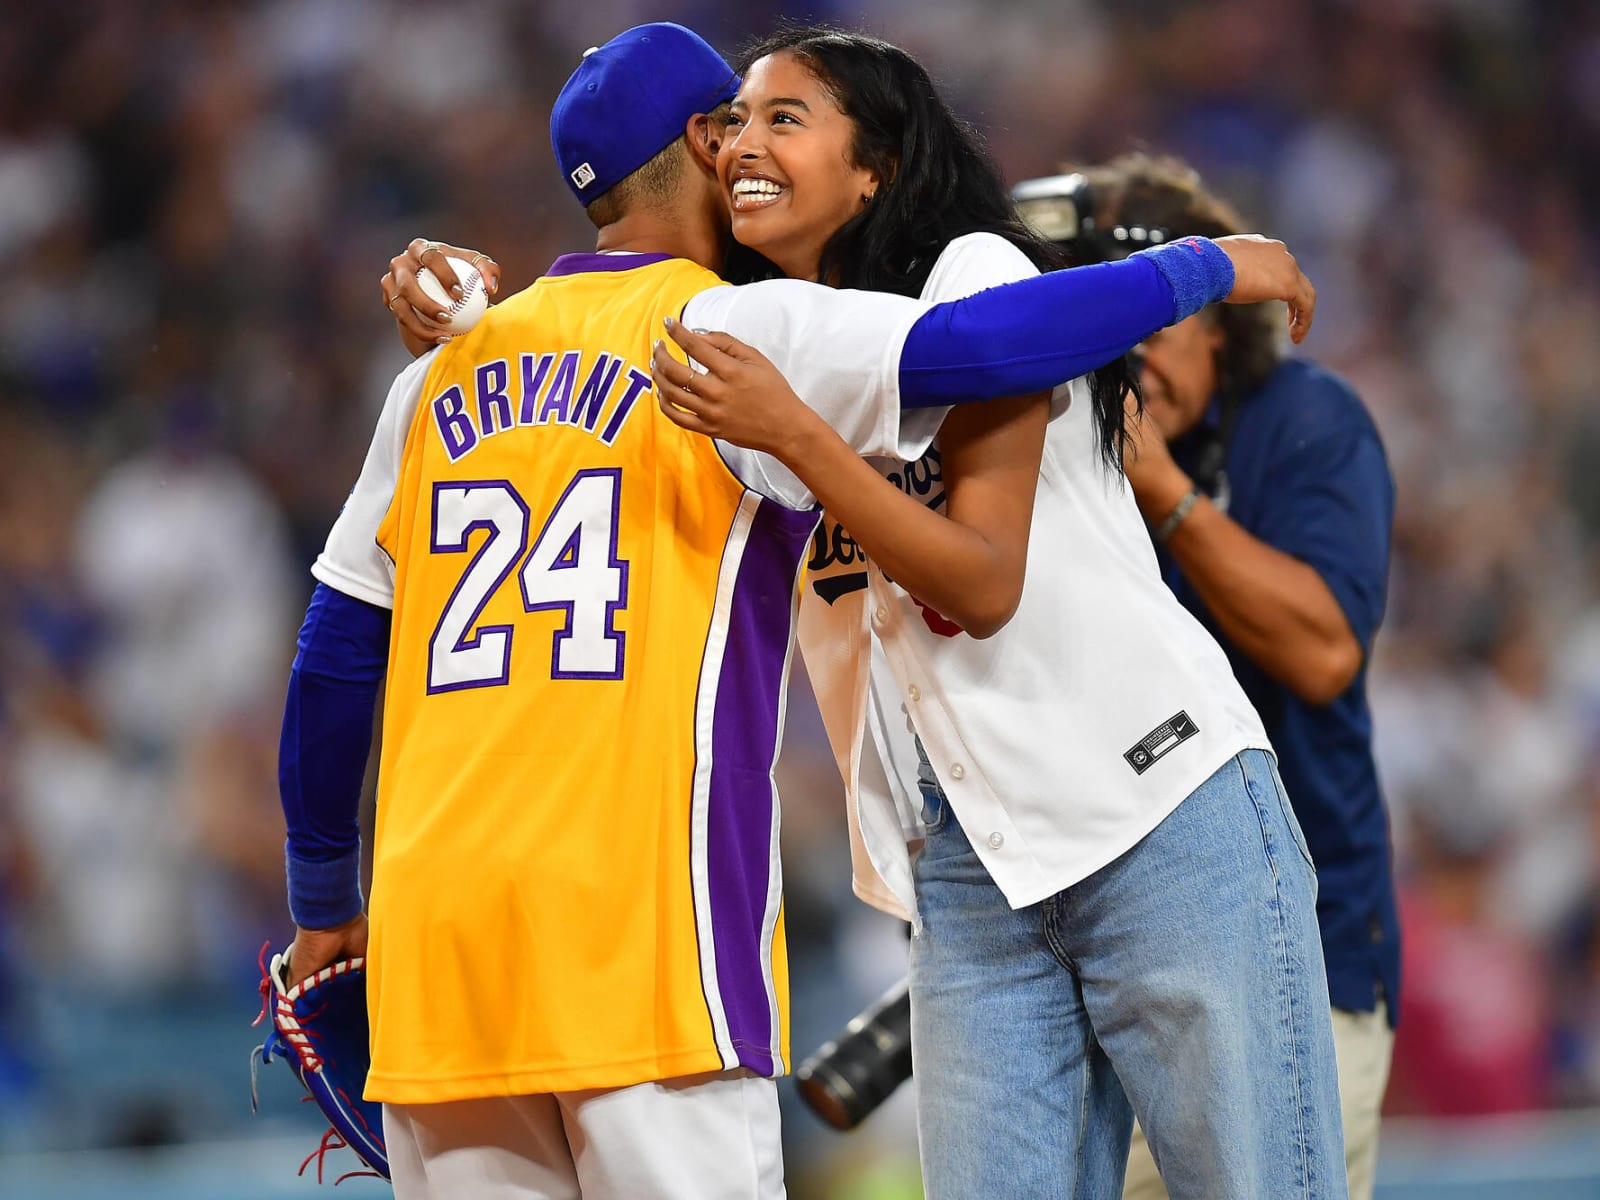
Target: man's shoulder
{"x": 576, "y": 284}
{"x": 616, "y": 270}
{"x": 1311, "y": 400}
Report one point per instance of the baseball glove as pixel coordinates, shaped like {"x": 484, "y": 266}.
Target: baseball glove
{"x": 319, "y": 1027}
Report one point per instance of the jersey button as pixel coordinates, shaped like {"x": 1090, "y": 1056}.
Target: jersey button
{"x": 957, "y": 771}
{"x": 880, "y": 615}
{"x": 997, "y": 840}
{"x": 916, "y": 694}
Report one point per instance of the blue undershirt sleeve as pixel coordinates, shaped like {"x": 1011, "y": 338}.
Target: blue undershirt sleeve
{"x": 1034, "y": 334}
{"x": 322, "y": 753}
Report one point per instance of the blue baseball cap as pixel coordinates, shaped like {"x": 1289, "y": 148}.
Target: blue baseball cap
{"x": 630, "y": 99}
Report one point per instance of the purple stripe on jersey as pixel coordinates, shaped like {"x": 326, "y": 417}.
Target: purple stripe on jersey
{"x": 744, "y": 743}
{"x": 581, "y": 264}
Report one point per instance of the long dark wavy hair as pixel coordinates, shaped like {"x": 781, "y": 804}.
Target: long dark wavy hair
{"x": 936, "y": 184}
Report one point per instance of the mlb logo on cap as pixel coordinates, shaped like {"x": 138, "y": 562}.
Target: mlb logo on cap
{"x": 631, "y": 99}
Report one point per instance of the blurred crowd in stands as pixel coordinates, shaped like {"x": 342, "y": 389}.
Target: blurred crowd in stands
{"x": 197, "y": 199}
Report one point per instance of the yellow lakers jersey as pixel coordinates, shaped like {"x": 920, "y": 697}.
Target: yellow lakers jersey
{"x": 576, "y": 877}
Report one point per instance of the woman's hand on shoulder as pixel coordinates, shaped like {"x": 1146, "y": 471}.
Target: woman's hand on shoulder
{"x": 740, "y": 397}
{"x": 403, "y": 296}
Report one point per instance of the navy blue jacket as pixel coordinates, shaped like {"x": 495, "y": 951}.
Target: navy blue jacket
{"x": 1308, "y": 476}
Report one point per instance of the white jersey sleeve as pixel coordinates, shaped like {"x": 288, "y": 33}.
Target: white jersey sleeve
{"x": 840, "y": 352}
{"x": 976, "y": 262}
{"x": 352, "y": 561}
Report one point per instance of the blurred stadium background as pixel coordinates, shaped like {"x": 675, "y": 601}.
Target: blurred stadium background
{"x": 196, "y": 199}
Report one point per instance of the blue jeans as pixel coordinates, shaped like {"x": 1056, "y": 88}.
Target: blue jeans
{"x": 1183, "y": 982}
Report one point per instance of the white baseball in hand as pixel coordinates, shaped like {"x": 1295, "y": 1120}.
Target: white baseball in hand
{"x": 461, "y": 314}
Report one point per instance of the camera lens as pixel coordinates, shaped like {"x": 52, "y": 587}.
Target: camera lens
{"x": 852, "y": 1075}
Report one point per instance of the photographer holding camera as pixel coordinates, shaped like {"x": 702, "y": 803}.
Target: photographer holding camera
{"x": 1269, "y": 497}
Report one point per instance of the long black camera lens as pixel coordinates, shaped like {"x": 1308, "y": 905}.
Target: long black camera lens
{"x": 850, "y": 1076}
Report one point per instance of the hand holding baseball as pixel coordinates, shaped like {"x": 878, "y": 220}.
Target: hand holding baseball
{"x": 460, "y": 308}
{"x": 426, "y": 320}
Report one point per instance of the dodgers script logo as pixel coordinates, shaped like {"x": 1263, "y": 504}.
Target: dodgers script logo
{"x": 832, "y": 549}
{"x": 834, "y": 552}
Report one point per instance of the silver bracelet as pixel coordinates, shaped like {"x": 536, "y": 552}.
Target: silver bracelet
{"x": 1175, "y": 518}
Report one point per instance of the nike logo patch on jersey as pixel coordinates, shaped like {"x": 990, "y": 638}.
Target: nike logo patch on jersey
{"x": 1165, "y": 737}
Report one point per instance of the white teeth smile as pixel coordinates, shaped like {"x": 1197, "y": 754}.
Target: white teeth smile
{"x": 756, "y": 189}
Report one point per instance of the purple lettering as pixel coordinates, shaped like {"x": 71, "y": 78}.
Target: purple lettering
{"x": 638, "y": 382}
{"x": 559, "y": 397}
{"x": 534, "y": 372}
{"x": 455, "y": 427}
{"x": 493, "y": 402}
{"x": 595, "y": 390}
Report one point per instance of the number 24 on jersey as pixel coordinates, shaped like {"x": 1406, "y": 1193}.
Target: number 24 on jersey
{"x": 573, "y": 566}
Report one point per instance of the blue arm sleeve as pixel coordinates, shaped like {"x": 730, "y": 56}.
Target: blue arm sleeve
{"x": 1036, "y": 333}
{"x": 322, "y": 753}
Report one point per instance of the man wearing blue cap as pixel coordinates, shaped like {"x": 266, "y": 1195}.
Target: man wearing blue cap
{"x": 583, "y": 616}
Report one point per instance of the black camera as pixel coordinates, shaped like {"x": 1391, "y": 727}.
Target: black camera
{"x": 1060, "y": 208}
{"x": 850, "y": 1076}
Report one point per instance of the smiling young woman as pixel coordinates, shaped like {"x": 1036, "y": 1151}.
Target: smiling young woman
{"x": 1105, "y": 879}
{"x": 789, "y": 167}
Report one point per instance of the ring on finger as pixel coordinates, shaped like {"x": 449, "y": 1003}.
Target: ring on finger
{"x": 390, "y": 305}
{"x": 431, "y": 246}
{"x": 479, "y": 257}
